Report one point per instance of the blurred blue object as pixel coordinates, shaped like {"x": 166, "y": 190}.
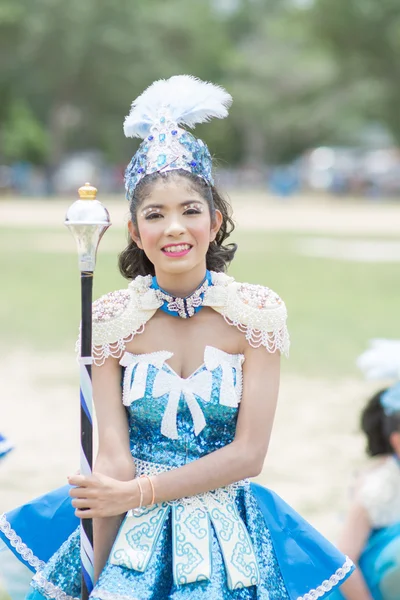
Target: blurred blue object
{"x": 5, "y": 446}
{"x": 284, "y": 180}
{"x": 380, "y": 564}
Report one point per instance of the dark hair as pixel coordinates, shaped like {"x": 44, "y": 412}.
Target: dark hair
{"x": 133, "y": 261}
{"x": 378, "y": 427}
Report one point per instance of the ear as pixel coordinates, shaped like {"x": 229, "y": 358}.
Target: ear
{"x": 394, "y": 440}
{"x": 134, "y": 233}
{"x": 215, "y": 225}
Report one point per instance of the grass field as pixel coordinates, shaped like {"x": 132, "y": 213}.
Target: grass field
{"x": 334, "y": 306}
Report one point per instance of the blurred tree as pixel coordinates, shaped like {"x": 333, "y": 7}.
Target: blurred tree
{"x": 364, "y": 37}
{"x": 80, "y": 64}
{"x": 77, "y": 66}
{"x": 23, "y": 137}
{"x": 287, "y": 92}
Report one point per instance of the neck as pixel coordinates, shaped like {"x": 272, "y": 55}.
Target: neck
{"x": 181, "y": 284}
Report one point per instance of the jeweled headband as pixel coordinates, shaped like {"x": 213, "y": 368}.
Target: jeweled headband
{"x": 156, "y": 117}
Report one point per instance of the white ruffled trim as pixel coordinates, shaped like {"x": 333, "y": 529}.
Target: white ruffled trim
{"x": 19, "y": 545}
{"x": 256, "y": 311}
{"x": 51, "y": 590}
{"x": 271, "y": 340}
{"x": 119, "y": 316}
{"x": 327, "y": 585}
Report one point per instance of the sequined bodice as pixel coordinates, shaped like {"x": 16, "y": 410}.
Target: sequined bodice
{"x": 174, "y": 420}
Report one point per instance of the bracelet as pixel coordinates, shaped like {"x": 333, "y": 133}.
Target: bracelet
{"x": 152, "y": 489}
{"x": 138, "y": 510}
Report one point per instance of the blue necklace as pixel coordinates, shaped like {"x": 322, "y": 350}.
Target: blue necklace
{"x": 182, "y": 307}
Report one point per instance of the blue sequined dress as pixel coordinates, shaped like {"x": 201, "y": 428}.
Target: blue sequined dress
{"x": 240, "y": 542}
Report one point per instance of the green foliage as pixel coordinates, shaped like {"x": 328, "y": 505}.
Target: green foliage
{"x": 299, "y": 77}
{"x": 23, "y": 137}
{"x": 364, "y": 37}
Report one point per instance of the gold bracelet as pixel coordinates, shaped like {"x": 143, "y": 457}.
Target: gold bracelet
{"x": 152, "y": 489}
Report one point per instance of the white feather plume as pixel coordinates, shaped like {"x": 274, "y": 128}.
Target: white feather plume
{"x": 381, "y": 360}
{"x": 188, "y": 100}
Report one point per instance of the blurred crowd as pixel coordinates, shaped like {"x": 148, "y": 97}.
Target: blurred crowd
{"x": 336, "y": 171}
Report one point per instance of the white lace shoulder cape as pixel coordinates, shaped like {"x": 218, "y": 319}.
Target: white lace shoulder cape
{"x": 379, "y": 493}
{"x": 255, "y": 310}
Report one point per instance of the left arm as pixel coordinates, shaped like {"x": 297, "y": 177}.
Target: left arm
{"x": 244, "y": 457}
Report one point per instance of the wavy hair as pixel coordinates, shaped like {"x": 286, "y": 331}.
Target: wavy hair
{"x": 378, "y": 426}
{"x": 133, "y": 261}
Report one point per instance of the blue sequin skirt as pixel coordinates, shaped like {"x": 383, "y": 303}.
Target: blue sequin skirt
{"x": 294, "y": 561}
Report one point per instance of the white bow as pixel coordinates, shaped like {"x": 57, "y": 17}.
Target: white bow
{"x": 175, "y": 386}
{"x": 230, "y": 393}
{"x": 135, "y": 388}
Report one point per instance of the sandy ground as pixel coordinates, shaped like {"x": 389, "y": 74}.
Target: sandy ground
{"x": 315, "y": 446}
{"x": 253, "y": 211}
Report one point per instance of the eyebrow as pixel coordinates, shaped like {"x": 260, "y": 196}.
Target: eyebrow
{"x": 184, "y": 203}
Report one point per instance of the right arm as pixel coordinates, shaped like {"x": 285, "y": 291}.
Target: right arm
{"x": 114, "y": 458}
{"x": 355, "y": 533}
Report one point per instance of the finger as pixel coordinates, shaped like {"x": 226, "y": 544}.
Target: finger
{"x": 82, "y": 492}
{"x": 82, "y": 503}
{"x": 79, "y": 480}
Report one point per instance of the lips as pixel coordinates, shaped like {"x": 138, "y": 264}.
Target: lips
{"x": 176, "y": 249}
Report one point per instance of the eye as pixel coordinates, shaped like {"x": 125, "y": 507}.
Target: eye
{"x": 193, "y": 209}
{"x": 152, "y": 216}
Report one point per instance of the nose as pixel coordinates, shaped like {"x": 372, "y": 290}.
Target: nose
{"x": 174, "y": 227}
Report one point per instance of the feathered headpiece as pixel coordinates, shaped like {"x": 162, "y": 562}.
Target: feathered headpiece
{"x": 156, "y": 116}
{"x": 382, "y": 361}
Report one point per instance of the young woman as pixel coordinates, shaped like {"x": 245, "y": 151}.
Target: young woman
{"x": 198, "y": 357}
{"x": 371, "y": 532}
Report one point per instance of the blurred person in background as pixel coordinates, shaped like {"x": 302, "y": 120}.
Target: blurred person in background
{"x": 371, "y": 532}
{"x": 192, "y": 421}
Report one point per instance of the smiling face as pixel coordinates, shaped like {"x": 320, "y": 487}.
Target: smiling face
{"x": 174, "y": 228}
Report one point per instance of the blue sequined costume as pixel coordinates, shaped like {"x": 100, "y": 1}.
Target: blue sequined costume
{"x": 241, "y": 542}
{"x": 149, "y": 385}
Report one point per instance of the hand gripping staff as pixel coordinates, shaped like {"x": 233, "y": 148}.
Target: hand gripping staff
{"x": 88, "y": 220}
